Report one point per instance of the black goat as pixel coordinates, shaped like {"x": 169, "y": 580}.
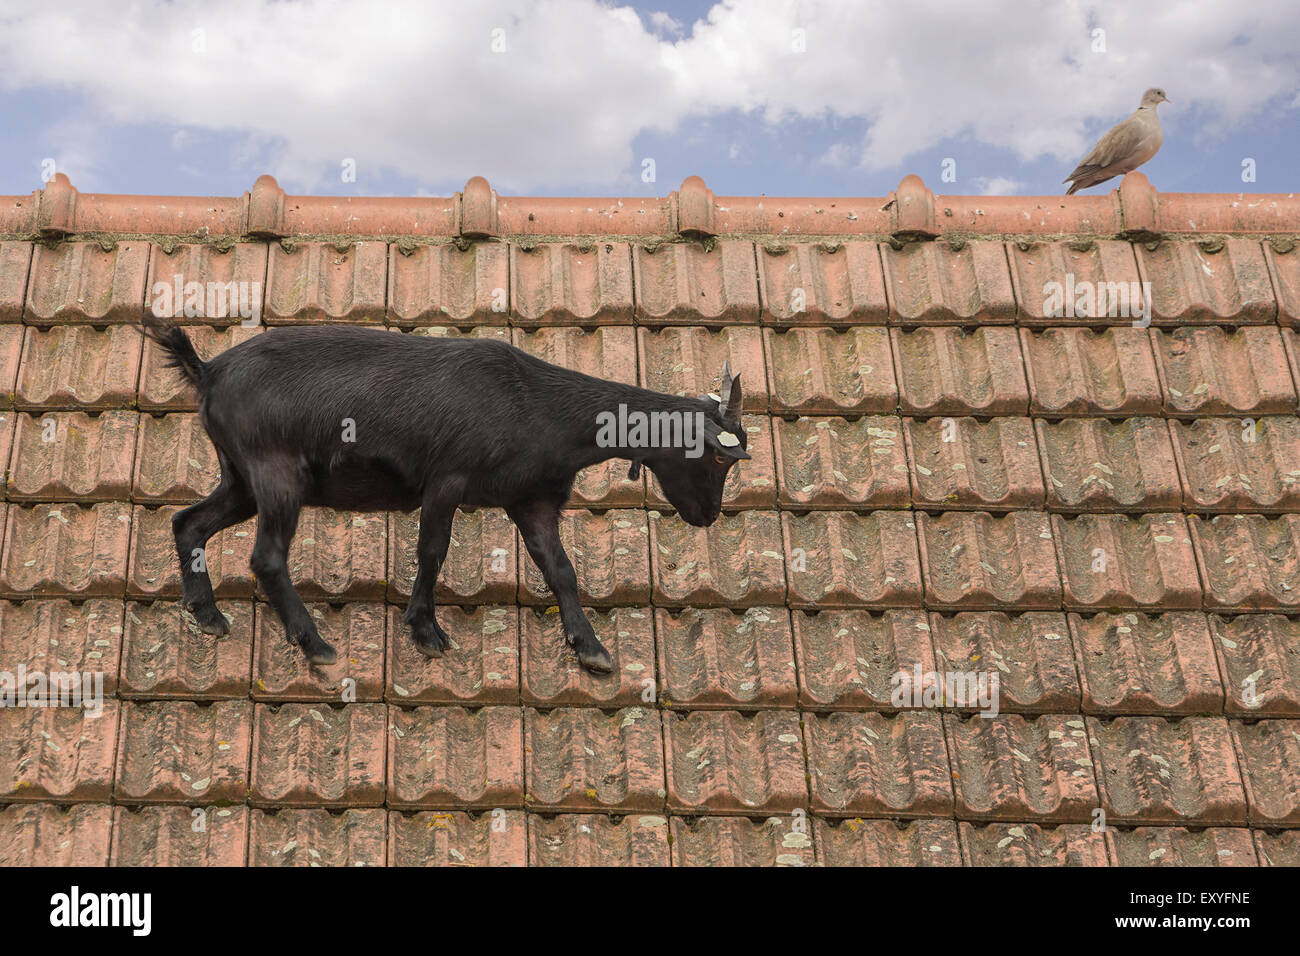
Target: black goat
{"x": 367, "y": 420}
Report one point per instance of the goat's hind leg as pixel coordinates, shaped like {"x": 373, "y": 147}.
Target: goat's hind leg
{"x": 435, "y": 535}
{"x": 230, "y": 504}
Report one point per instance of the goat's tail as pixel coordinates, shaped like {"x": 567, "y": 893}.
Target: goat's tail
{"x": 179, "y": 349}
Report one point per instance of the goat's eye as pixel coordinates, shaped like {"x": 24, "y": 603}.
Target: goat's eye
{"x": 720, "y": 459}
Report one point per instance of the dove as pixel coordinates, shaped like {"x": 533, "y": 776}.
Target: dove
{"x": 1126, "y": 147}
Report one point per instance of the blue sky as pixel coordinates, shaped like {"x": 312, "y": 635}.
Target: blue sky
{"x": 572, "y": 97}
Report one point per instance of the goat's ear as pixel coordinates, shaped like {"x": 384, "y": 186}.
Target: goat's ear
{"x": 726, "y": 443}
{"x": 732, "y": 398}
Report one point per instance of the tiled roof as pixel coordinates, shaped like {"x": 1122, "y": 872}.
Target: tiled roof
{"x": 945, "y": 477}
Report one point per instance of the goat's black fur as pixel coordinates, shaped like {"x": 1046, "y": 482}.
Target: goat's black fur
{"x": 434, "y": 424}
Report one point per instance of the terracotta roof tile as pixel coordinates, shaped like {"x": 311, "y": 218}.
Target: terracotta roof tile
{"x": 1095, "y": 465}
{"x": 482, "y": 666}
{"x": 453, "y": 758}
{"x": 165, "y": 836}
{"x": 1231, "y": 464}
{"x": 841, "y": 559}
{"x": 354, "y": 837}
{"x": 1085, "y": 372}
{"x": 1030, "y": 654}
{"x": 608, "y": 352}
{"x": 70, "y": 455}
{"x": 960, "y": 463}
{"x": 1179, "y": 846}
{"x": 560, "y": 283}
{"x": 57, "y": 754}
{"x": 78, "y": 367}
{"x": 832, "y": 463}
{"x": 551, "y": 675}
{"x": 154, "y": 569}
{"x": 591, "y": 839}
{"x": 1110, "y": 561}
{"x": 1087, "y": 282}
{"x": 1028, "y": 844}
{"x": 444, "y": 284}
{"x": 835, "y": 284}
{"x": 688, "y": 361}
{"x": 314, "y": 755}
{"x": 8, "y": 426}
{"x": 66, "y": 550}
{"x": 977, "y": 560}
{"x": 1269, "y": 752}
{"x": 15, "y": 264}
{"x": 42, "y": 834}
{"x": 848, "y": 659}
{"x": 338, "y": 554}
{"x": 1284, "y": 268}
{"x": 314, "y": 282}
{"x": 1208, "y": 282}
{"x": 174, "y": 461}
{"x": 716, "y": 658}
{"x": 440, "y": 838}
{"x": 1213, "y": 371}
{"x": 165, "y": 655}
{"x": 870, "y": 764}
{"x": 1249, "y": 561}
{"x": 214, "y": 267}
{"x": 1134, "y": 663}
{"x": 606, "y": 485}
{"x": 736, "y": 841}
{"x": 941, "y": 283}
{"x": 609, "y": 552}
{"x": 60, "y": 636}
{"x": 830, "y": 372}
{"x": 688, "y": 284}
{"x": 281, "y": 672}
{"x": 1259, "y": 656}
{"x": 204, "y": 758}
{"x": 482, "y": 560}
{"x": 1280, "y": 848}
{"x": 11, "y": 350}
{"x": 1014, "y": 768}
{"x": 580, "y": 758}
{"x": 886, "y": 843}
{"x": 737, "y": 562}
{"x": 85, "y": 282}
{"x": 726, "y": 762}
{"x": 1153, "y": 770}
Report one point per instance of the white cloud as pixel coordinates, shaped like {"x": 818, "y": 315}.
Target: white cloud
{"x": 416, "y": 87}
{"x": 997, "y": 186}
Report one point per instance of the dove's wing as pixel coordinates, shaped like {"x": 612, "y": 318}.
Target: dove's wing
{"x": 1124, "y": 140}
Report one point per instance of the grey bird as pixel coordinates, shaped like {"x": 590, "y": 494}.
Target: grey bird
{"x": 1126, "y": 147}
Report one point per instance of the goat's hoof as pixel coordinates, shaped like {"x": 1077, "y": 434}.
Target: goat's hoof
{"x": 316, "y": 648}
{"x": 210, "y": 620}
{"x": 596, "y": 659}
{"x": 430, "y": 639}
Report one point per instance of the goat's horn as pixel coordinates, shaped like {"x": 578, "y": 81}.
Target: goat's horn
{"x": 725, "y": 390}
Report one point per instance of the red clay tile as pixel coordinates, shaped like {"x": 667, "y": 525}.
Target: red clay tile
{"x": 977, "y": 560}
{"x": 717, "y": 658}
{"x": 155, "y": 569}
{"x": 338, "y": 554}
{"x": 1269, "y": 752}
{"x": 559, "y": 283}
{"x": 59, "y": 636}
{"x": 949, "y": 371}
{"x": 1028, "y": 844}
{"x": 1030, "y": 653}
{"x": 610, "y": 554}
{"x": 831, "y": 463}
{"x": 689, "y": 361}
{"x": 165, "y": 655}
{"x": 1207, "y": 282}
{"x": 66, "y": 550}
{"x": 437, "y": 284}
{"x": 886, "y": 843}
{"x": 480, "y": 667}
{"x": 481, "y": 565}
{"x": 609, "y": 353}
{"x": 281, "y": 672}
{"x": 1013, "y": 768}
{"x": 83, "y": 282}
{"x": 164, "y": 389}
{"x": 1132, "y": 663}
{"x": 735, "y": 841}
{"x": 734, "y": 563}
{"x": 1095, "y": 465}
{"x": 829, "y": 372}
{"x": 1089, "y": 283}
{"x": 308, "y": 755}
{"x": 606, "y": 485}
{"x": 1178, "y": 846}
{"x": 1233, "y": 464}
{"x": 725, "y": 762}
{"x": 579, "y": 758}
{"x": 848, "y": 659}
{"x": 175, "y": 461}
{"x": 320, "y": 282}
{"x": 839, "y": 559}
{"x": 690, "y": 283}
{"x": 179, "y": 751}
{"x": 1259, "y": 656}
{"x": 15, "y": 263}
{"x": 180, "y": 836}
{"x": 78, "y": 367}
{"x": 749, "y": 485}
{"x": 434, "y": 838}
{"x": 318, "y": 838}
{"x": 1112, "y": 561}
{"x": 41, "y": 834}
{"x": 1152, "y": 770}
{"x": 960, "y": 463}
{"x": 11, "y": 350}
{"x": 1284, "y": 268}
{"x": 591, "y": 839}
{"x": 218, "y": 285}
{"x": 870, "y": 764}
{"x": 551, "y": 675}
{"x": 453, "y": 758}
{"x": 827, "y": 283}
{"x": 1250, "y": 562}
{"x": 57, "y": 753}
{"x": 941, "y": 283}
{"x": 1212, "y": 371}
{"x": 1086, "y": 372}
{"x": 1277, "y": 849}
{"x": 62, "y": 456}
{"x": 8, "y": 425}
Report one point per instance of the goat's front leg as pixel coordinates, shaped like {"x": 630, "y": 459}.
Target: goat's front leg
{"x": 538, "y": 523}
{"x": 435, "y": 535}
